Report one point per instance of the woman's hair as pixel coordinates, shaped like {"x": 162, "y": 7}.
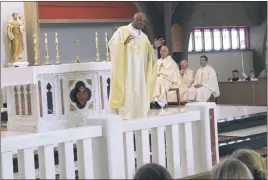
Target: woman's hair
{"x": 152, "y": 171}
{"x": 253, "y": 161}
{"x": 231, "y": 169}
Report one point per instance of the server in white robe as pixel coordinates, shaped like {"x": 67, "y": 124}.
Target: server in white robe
{"x": 205, "y": 83}
{"x": 167, "y": 77}
{"x": 187, "y": 77}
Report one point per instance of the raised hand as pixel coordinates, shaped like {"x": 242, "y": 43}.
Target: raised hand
{"x": 159, "y": 42}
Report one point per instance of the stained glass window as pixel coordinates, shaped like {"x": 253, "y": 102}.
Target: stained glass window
{"x": 242, "y": 38}
{"x": 225, "y": 39}
{"x": 217, "y": 39}
{"x": 208, "y": 39}
{"x": 234, "y": 36}
{"x": 190, "y": 46}
{"x": 198, "y": 40}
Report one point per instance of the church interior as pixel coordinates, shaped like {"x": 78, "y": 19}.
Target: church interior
{"x": 55, "y": 93}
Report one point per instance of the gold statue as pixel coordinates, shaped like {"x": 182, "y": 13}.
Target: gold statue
{"x": 107, "y": 48}
{"x": 97, "y": 47}
{"x": 57, "y": 49}
{"x": 46, "y": 49}
{"x": 15, "y": 28}
{"x": 76, "y": 51}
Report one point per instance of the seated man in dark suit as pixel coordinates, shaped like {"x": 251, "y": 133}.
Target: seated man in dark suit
{"x": 235, "y": 76}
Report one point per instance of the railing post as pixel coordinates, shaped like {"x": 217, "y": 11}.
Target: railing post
{"x": 108, "y": 153}
{"x": 208, "y": 149}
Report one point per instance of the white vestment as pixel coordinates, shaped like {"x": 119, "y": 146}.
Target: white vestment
{"x": 207, "y": 78}
{"x": 167, "y": 77}
{"x": 187, "y": 80}
{"x": 135, "y": 88}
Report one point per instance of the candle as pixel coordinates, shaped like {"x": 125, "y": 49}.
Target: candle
{"x": 34, "y": 38}
{"x": 56, "y": 37}
{"x": 45, "y": 37}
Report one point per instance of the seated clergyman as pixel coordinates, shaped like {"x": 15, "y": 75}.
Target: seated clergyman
{"x": 167, "y": 77}
{"x": 205, "y": 83}
{"x": 187, "y": 76}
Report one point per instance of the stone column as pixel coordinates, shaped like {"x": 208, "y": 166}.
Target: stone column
{"x": 168, "y": 24}
{"x": 32, "y": 27}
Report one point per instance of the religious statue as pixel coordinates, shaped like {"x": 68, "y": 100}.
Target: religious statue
{"x": 15, "y": 28}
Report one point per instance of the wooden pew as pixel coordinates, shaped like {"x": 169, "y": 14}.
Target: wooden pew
{"x": 252, "y": 93}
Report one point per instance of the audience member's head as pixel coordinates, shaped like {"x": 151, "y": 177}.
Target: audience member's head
{"x": 253, "y": 161}
{"x": 152, "y": 171}
{"x": 203, "y": 60}
{"x": 184, "y": 64}
{"x": 231, "y": 169}
{"x": 235, "y": 73}
{"x": 164, "y": 52}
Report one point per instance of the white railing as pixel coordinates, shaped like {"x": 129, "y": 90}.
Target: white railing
{"x": 113, "y": 149}
{"x": 24, "y": 147}
{"x": 181, "y": 142}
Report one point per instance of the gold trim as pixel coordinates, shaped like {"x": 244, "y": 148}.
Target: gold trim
{"x": 73, "y": 21}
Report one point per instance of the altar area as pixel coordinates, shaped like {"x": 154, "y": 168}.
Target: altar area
{"x": 44, "y": 98}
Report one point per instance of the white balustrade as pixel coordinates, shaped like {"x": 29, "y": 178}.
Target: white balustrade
{"x": 110, "y": 148}
{"x": 25, "y": 145}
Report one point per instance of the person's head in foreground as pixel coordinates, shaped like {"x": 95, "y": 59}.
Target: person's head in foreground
{"x": 139, "y": 20}
{"x": 164, "y": 52}
{"x": 152, "y": 171}
{"x": 253, "y": 161}
{"x": 203, "y": 60}
{"x": 231, "y": 169}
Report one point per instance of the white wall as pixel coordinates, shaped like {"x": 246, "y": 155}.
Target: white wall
{"x": 224, "y": 62}
{"x": 7, "y": 8}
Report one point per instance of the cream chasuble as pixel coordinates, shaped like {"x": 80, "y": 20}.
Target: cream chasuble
{"x": 187, "y": 80}
{"x": 167, "y": 77}
{"x": 207, "y": 77}
{"x": 133, "y": 73}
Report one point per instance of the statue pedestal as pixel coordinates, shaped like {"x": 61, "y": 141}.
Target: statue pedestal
{"x": 18, "y": 64}
{"x": 45, "y": 98}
